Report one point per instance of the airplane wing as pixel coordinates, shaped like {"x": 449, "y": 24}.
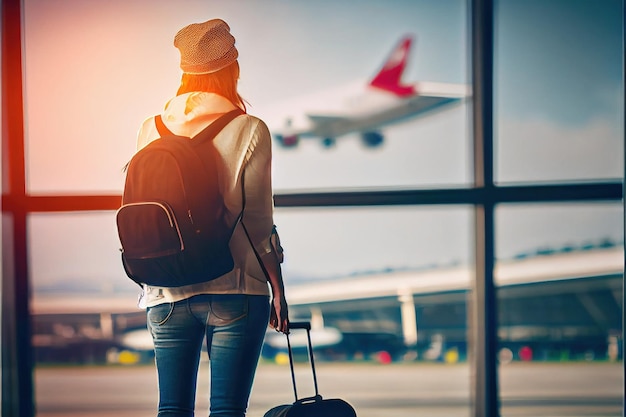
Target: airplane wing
{"x": 321, "y": 119}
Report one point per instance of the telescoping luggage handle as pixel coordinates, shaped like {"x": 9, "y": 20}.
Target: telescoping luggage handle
{"x": 307, "y": 326}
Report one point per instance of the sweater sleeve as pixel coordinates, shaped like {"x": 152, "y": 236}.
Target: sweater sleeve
{"x": 259, "y": 204}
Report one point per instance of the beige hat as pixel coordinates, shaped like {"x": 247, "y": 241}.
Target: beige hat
{"x": 205, "y": 47}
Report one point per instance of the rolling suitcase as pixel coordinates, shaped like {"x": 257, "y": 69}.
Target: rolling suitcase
{"x": 310, "y": 406}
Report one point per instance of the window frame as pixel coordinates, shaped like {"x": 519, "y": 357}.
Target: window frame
{"x": 484, "y": 195}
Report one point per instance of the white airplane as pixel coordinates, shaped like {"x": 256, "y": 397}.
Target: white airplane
{"x": 321, "y": 335}
{"x": 365, "y": 107}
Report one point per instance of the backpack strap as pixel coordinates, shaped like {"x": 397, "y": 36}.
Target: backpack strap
{"x": 161, "y": 128}
{"x": 209, "y": 132}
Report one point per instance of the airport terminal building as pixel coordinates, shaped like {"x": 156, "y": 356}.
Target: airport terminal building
{"x": 555, "y": 305}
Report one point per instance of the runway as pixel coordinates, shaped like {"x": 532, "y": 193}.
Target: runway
{"x": 399, "y": 390}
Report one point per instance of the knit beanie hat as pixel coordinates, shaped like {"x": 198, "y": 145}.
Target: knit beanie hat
{"x": 205, "y": 47}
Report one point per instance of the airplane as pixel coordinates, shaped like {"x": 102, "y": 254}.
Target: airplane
{"x": 321, "y": 337}
{"x": 366, "y": 107}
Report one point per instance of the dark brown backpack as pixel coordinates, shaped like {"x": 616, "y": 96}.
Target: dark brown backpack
{"x": 171, "y": 223}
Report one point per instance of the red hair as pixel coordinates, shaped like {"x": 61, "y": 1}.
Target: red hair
{"x": 222, "y": 82}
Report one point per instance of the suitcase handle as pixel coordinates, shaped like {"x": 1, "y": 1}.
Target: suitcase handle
{"x": 307, "y": 326}
{"x": 300, "y": 325}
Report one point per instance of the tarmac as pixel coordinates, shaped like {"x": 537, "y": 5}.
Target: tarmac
{"x": 399, "y": 389}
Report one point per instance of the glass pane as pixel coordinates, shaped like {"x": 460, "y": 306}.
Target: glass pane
{"x": 81, "y": 298}
{"x": 76, "y": 252}
{"x": 539, "y": 229}
{"x": 368, "y": 278}
{"x": 382, "y": 273}
{"x": 331, "y": 242}
{"x": 95, "y": 70}
{"x": 560, "y": 283}
{"x": 559, "y": 94}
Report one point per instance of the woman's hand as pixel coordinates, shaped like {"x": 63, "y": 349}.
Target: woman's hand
{"x": 279, "y": 314}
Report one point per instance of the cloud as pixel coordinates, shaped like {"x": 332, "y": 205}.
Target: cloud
{"x": 542, "y": 150}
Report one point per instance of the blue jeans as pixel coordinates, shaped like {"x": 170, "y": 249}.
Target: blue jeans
{"x": 234, "y": 326}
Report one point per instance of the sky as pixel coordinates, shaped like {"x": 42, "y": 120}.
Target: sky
{"x": 94, "y": 70}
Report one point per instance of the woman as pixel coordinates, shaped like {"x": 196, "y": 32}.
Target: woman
{"x": 231, "y": 311}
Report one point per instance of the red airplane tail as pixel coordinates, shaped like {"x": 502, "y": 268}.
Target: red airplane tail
{"x": 389, "y": 78}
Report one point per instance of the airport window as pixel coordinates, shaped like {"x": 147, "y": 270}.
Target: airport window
{"x": 559, "y": 96}
{"x": 342, "y": 159}
{"x": 572, "y": 311}
{"x": 572, "y": 227}
{"x": 86, "y": 235}
{"x": 558, "y": 91}
{"x": 374, "y": 239}
{"x": 396, "y": 202}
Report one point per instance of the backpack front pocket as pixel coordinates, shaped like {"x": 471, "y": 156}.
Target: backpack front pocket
{"x": 148, "y": 230}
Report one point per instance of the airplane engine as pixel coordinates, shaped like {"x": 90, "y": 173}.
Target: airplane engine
{"x": 372, "y": 139}
{"x": 328, "y": 142}
{"x": 288, "y": 141}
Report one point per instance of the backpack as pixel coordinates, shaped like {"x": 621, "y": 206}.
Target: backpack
{"x": 171, "y": 223}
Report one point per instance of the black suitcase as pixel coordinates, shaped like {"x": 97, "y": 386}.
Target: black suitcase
{"x": 310, "y": 406}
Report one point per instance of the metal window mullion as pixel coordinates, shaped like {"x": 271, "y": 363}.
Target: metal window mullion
{"x": 482, "y": 308}
{"x": 17, "y": 360}
{"x": 624, "y": 199}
